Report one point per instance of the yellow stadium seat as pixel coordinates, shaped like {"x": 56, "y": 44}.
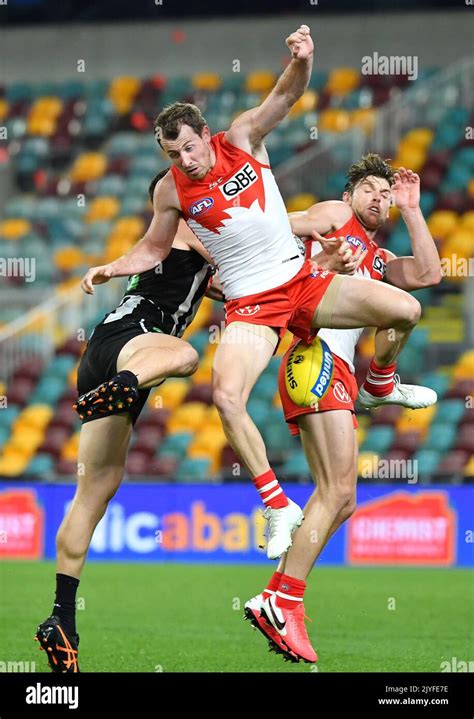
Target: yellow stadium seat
{"x": 416, "y": 420}
{"x": 208, "y": 81}
{"x": 187, "y": 418}
{"x": 470, "y": 188}
{"x": 260, "y": 81}
{"x": 72, "y": 376}
{"x": 276, "y": 402}
{"x": 71, "y": 448}
{"x": 442, "y": 222}
{"x": 203, "y": 374}
{"x": 461, "y": 242}
{"x": 469, "y": 468}
{"x": 301, "y": 202}
{"x": 306, "y": 103}
{"x": 122, "y": 92}
{"x": 342, "y": 80}
{"x": 133, "y": 227}
{"x": 212, "y": 418}
{"x": 14, "y": 229}
{"x": 44, "y": 126}
{"x": 4, "y": 109}
{"x": 361, "y": 433}
{"x": 366, "y": 344}
{"x": 36, "y": 416}
{"x": 285, "y": 343}
{"x": 467, "y": 220}
{"x": 170, "y": 394}
{"x": 47, "y": 107}
{"x": 420, "y": 137}
{"x": 116, "y": 246}
{"x": 102, "y": 208}
{"x": 364, "y": 117}
{"x": 13, "y": 465}
{"x": 464, "y": 368}
{"x": 209, "y": 443}
{"x": 410, "y": 156}
{"x": 68, "y": 258}
{"x": 334, "y": 120}
{"x": 27, "y": 440}
{"x": 89, "y": 166}
{"x": 3, "y": 388}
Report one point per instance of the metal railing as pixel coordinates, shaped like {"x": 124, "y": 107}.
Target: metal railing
{"x": 424, "y": 104}
{"x": 38, "y": 332}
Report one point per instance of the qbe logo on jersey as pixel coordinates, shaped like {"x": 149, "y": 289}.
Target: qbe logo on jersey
{"x": 240, "y": 181}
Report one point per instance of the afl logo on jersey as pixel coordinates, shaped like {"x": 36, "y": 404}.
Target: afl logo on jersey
{"x": 201, "y": 206}
{"x": 355, "y": 242}
{"x": 240, "y": 181}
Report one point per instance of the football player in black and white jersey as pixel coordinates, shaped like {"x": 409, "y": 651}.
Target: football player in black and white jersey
{"x": 135, "y": 347}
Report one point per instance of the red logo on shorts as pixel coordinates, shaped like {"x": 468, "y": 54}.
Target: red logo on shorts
{"x": 248, "y": 311}
{"x": 340, "y": 393}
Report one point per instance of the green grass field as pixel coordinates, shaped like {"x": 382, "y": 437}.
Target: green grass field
{"x": 177, "y": 618}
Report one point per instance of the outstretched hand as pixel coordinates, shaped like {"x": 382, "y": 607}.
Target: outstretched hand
{"x": 300, "y": 43}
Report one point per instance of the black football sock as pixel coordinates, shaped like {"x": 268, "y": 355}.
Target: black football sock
{"x": 126, "y": 377}
{"x": 65, "y": 602}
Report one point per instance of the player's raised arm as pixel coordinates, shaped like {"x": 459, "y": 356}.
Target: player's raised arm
{"x": 253, "y": 125}
{"x": 321, "y": 217}
{"x": 423, "y": 269}
{"x": 154, "y": 246}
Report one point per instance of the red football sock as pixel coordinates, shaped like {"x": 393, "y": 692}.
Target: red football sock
{"x": 268, "y": 487}
{"x": 272, "y": 585}
{"x": 380, "y": 380}
{"x": 290, "y": 592}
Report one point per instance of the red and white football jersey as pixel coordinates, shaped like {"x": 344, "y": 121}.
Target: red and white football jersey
{"x": 343, "y": 342}
{"x": 238, "y": 213}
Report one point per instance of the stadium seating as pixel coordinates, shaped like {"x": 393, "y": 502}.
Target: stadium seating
{"x": 94, "y": 139}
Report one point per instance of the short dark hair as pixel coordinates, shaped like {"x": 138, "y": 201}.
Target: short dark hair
{"x": 169, "y": 121}
{"x": 156, "y": 179}
{"x": 371, "y": 164}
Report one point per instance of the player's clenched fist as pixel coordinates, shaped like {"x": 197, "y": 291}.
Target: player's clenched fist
{"x": 300, "y": 43}
{"x": 95, "y": 276}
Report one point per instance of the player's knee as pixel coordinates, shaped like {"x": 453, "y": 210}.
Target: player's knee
{"x": 190, "y": 360}
{"x": 410, "y": 312}
{"x": 228, "y": 401}
{"x": 348, "y": 508}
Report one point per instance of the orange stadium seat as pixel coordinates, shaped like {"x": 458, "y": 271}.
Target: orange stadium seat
{"x": 209, "y": 81}
{"x": 4, "y": 109}
{"x": 89, "y": 166}
{"x": 334, "y": 120}
{"x": 301, "y": 202}
{"x": 261, "y": 81}
{"x": 442, "y": 222}
{"x": 68, "y": 258}
{"x": 364, "y": 117}
{"x": 342, "y": 80}
{"x": 170, "y": 394}
{"x": 103, "y": 208}
{"x": 306, "y": 103}
{"x": 187, "y": 418}
{"x": 14, "y": 229}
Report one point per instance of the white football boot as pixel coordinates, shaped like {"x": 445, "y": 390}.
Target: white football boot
{"x": 281, "y": 524}
{"x": 413, "y": 396}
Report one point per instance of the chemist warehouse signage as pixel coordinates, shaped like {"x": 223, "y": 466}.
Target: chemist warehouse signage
{"x": 224, "y": 524}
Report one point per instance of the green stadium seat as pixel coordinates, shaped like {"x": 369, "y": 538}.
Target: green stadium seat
{"x": 48, "y": 390}
{"x": 8, "y": 415}
{"x": 4, "y": 435}
{"x": 379, "y": 439}
{"x": 296, "y": 464}
{"x": 175, "y": 444}
{"x": 450, "y": 411}
{"x": 441, "y": 436}
{"x": 399, "y": 242}
{"x": 194, "y": 470}
{"x": 265, "y": 388}
{"x": 16, "y": 127}
{"x": 70, "y": 89}
{"x": 42, "y": 465}
{"x": 427, "y": 461}
{"x": 277, "y": 437}
{"x": 439, "y": 382}
{"x": 199, "y": 341}
{"x": 258, "y": 410}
